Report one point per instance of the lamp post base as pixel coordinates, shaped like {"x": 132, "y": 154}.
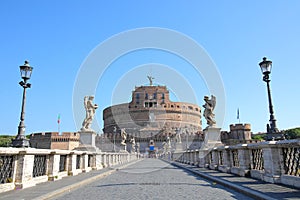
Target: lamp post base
{"x": 19, "y": 143}
{"x": 275, "y": 136}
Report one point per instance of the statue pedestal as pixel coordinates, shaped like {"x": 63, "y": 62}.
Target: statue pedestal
{"x": 178, "y": 147}
{"x": 212, "y": 137}
{"x": 124, "y": 148}
{"x": 87, "y": 141}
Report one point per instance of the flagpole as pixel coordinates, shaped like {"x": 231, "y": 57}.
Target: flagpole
{"x": 238, "y": 115}
{"x": 58, "y": 124}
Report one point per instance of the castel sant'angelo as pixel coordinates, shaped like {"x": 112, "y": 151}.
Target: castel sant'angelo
{"x": 150, "y": 120}
{"x": 151, "y": 115}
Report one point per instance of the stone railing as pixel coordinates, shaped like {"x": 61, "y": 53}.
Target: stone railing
{"x": 26, "y": 167}
{"x": 273, "y": 162}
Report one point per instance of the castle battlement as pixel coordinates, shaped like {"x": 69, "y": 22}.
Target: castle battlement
{"x": 53, "y": 140}
{"x": 235, "y": 127}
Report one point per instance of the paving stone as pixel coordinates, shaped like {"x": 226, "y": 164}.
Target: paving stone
{"x": 153, "y": 179}
{"x": 275, "y": 191}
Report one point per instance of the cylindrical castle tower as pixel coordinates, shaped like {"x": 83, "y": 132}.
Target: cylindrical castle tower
{"x": 152, "y": 113}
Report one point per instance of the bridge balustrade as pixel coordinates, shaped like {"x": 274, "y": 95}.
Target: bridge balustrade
{"x": 273, "y": 161}
{"x": 26, "y": 167}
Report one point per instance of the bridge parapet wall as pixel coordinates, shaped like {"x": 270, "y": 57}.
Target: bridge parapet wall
{"x": 273, "y": 161}
{"x": 26, "y": 167}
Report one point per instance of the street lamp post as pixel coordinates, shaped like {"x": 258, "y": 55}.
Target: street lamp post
{"x": 20, "y": 140}
{"x": 115, "y": 131}
{"x": 266, "y": 66}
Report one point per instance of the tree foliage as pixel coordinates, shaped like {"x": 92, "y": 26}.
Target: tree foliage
{"x": 259, "y": 136}
{"x": 293, "y": 133}
{"x": 5, "y": 140}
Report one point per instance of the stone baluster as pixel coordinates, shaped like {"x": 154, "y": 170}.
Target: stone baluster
{"x": 24, "y": 170}
{"x": 272, "y": 162}
{"x": 53, "y": 167}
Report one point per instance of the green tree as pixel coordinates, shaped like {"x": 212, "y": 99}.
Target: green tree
{"x": 5, "y": 140}
{"x": 258, "y": 136}
{"x": 293, "y": 133}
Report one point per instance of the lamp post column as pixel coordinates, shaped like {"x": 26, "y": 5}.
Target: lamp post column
{"x": 115, "y": 131}
{"x": 21, "y": 127}
{"x": 273, "y": 128}
{"x": 20, "y": 140}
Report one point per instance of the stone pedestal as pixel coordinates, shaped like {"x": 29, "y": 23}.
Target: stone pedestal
{"x": 178, "y": 147}
{"x": 20, "y": 142}
{"x": 212, "y": 137}
{"x": 123, "y": 148}
{"x": 203, "y": 158}
{"x": 87, "y": 141}
{"x": 275, "y": 136}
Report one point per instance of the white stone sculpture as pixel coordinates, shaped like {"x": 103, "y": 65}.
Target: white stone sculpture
{"x": 165, "y": 147}
{"x": 132, "y": 141}
{"x": 209, "y": 108}
{"x": 124, "y": 136}
{"x": 178, "y": 136}
{"x": 90, "y": 109}
{"x": 169, "y": 142}
{"x": 138, "y": 147}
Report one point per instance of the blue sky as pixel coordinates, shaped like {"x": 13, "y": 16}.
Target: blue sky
{"x": 58, "y": 36}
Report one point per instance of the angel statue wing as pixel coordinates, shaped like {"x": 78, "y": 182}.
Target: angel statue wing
{"x": 150, "y": 79}
{"x": 85, "y": 102}
{"x": 213, "y": 102}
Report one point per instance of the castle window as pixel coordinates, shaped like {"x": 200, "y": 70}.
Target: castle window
{"x": 190, "y": 107}
{"x": 146, "y": 96}
{"x": 163, "y": 96}
{"x": 137, "y": 98}
{"x": 154, "y": 95}
{"x": 150, "y": 104}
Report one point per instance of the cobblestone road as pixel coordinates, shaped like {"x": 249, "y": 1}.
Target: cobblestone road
{"x": 152, "y": 179}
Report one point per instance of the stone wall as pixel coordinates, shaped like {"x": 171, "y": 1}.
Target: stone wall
{"x": 238, "y": 133}
{"x": 41, "y": 140}
{"x": 53, "y": 140}
{"x": 151, "y": 107}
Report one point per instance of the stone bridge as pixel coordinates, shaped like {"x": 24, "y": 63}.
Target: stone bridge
{"x": 228, "y": 172}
